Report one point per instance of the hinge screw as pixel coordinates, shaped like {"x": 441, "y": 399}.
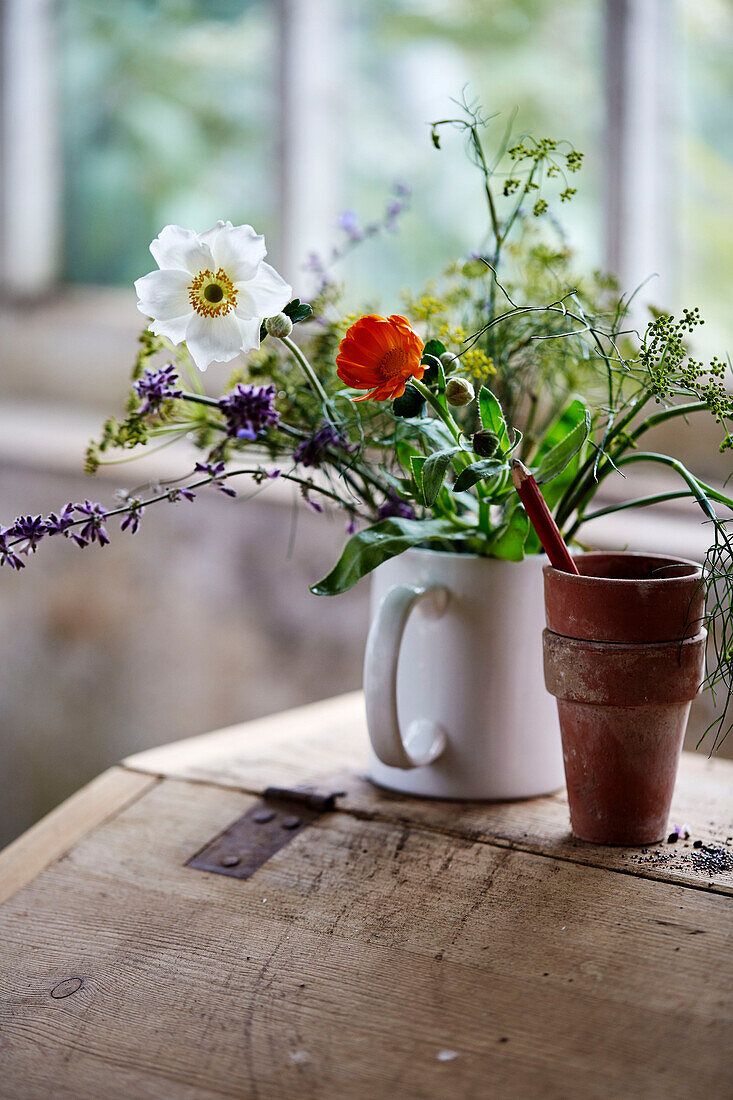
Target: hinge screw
{"x": 290, "y": 823}
{"x": 229, "y": 861}
{"x": 263, "y": 816}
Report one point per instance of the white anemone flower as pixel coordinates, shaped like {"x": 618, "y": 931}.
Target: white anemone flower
{"x": 212, "y": 290}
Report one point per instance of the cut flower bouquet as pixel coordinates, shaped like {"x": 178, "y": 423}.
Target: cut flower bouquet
{"x": 408, "y": 422}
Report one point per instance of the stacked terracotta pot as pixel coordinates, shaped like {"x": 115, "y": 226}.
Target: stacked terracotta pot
{"x": 624, "y": 656}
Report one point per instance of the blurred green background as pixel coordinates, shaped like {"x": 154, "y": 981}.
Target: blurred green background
{"x": 169, "y": 115}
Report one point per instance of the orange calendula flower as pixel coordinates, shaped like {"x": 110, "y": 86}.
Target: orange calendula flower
{"x": 380, "y": 354}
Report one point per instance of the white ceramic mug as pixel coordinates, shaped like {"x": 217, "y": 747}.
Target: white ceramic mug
{"x": 455, "y": 695}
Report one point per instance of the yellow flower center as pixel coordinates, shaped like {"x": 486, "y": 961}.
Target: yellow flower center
{"x": 212, "y": 294}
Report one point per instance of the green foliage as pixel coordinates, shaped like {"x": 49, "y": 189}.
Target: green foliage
{"x": 368, "y": 549}
{"x": 492, "y": 417}
{"x": 511, "y": 536}
{"x": 559, "y": 456}
{"x": 296, "y": 310}
{"x": 479, "y": 471}
{"x": 433, "y": 474}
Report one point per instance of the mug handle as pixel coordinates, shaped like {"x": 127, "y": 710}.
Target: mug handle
{"x": 425, "y": 739}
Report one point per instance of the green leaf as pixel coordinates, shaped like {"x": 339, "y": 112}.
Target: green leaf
{"x": 434, "y": 347}
{"x": 492, "y": 418}
{"x": 435, "y": 431}
{"x": 558, "y": 457}
{"x": 433, "y": 474}
{"x": 402, "y": 484}
{"x": 416, "y": 464}
{"x": 405, "y": 453}
{"x": 512, "y": 534}
{"x": 297, "y": 311}
{"x": 477, "y": 471}
{"x": 568, "y": 419}
{"x": 369, "y": 548}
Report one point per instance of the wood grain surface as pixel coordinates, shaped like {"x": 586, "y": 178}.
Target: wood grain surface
{"x": 395, "y": 948}
{"x": 350, "y": 964}
{"x": 324, "y": 745}
{"x": 54, "y": 834}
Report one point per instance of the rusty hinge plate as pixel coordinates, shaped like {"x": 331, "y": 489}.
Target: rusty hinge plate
{"x": 266, "y": 828}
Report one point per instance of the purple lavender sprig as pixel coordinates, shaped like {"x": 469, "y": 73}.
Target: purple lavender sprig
{"x": 8, "y": 556}
{"x": 60, "y": 524}
{"x": 156, "y": 386}
{"x": 93, "y": 530}
{"x": 90, "y": 517}
{"x": 249, "y": 410}
{"x": 354, "y": 232}
{"x": 131, "y": 519}
{"x": 28, "y": 531}
{"x": 394, "y": 506}
{"x": 313, "y": 450}
{"x": 215, "y": 470}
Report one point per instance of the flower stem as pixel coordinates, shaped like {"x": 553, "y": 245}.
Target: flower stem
{"x": 309, "y": 373}
{"x": 200, "y": 399}
{"x": 306, "y": 483}
{"x": 437, "y": 408}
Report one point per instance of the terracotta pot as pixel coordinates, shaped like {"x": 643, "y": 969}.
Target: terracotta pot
{"x": 624, "y": 657}
{"x": 625, "y": 597}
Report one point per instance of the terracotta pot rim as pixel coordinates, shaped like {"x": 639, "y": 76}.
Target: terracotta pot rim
{"x": 621, "y": 674}
{"x": 693, "y": 571}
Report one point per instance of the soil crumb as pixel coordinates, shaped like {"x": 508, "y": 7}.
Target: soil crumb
{"x": 707, "y": 859}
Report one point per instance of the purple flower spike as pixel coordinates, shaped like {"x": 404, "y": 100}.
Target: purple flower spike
{"x": 315, "y": 265}
{"x": 349, "y": 222}
{"x": 59, "y": 524}
{"x": 93, "y": 530}
{"x": 156, "y": 386}
{"x": 394, "y": 507}
{"x": 311, "y": 452}
{"x": 249, "y": 411}
{"x": 174, "y": 495}
{"x": 131, "y": 521}
{"x": 215, "y": 470}
{"x": 29, "y": 530}
{"x": 7, "y": 554}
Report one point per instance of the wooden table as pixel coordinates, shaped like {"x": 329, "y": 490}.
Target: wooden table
{"x": 394, "y": 948}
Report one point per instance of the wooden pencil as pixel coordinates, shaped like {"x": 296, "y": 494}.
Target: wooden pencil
{"x": 541, "y": 518}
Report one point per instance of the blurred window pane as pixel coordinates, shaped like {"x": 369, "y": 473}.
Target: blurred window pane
{"x": 705, "y": 150}
{"x": 166, "y": 114}
{"x": 406, "y": 59}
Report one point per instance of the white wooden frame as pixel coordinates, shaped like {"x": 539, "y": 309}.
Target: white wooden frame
{"x": 640, "y": 115}
{"x": 30, "y": 224}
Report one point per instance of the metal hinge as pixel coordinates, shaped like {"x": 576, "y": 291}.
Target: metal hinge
{"x": 266, "y": 828}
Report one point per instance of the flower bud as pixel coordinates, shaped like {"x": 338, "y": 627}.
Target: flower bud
{"x": 458, "y": 391}
{"x": 410, "y": 404}
{"x": 485, "y": 443}
{"x": 449, "y": 360}
{"x": 280, "y": 325}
